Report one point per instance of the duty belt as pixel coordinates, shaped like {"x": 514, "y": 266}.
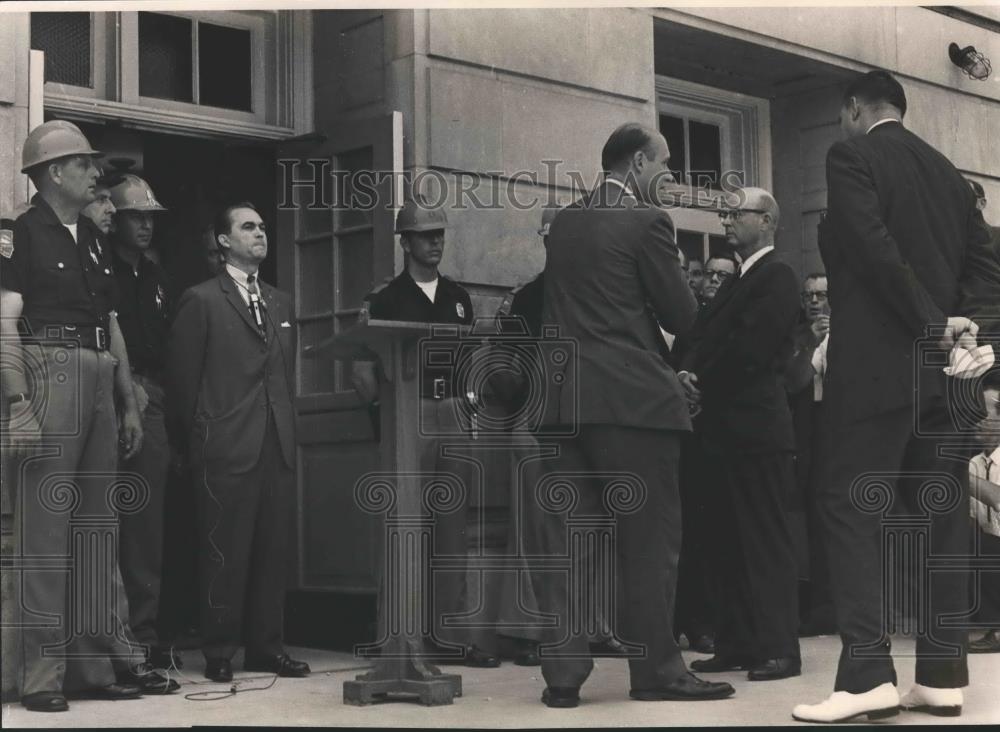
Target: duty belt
{"x": 94, "y": 337}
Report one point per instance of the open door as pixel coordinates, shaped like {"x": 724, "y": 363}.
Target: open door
{"x": 334, "y": 246}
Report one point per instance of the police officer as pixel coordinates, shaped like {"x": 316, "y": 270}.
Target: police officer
{"x": 420, "y": 293}
{"x": 66, "y": 363}
{"x": 144, "y": 315}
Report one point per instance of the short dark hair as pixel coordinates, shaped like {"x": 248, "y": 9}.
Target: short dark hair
{"x": 623, "y": 143}
{"x": 814, "y": 276}
{"x": 224, "y": 220}
{"x": 877, "y": 87}
{"x": 727, "y": 257}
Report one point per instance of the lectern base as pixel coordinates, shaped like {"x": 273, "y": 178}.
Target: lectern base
{"x": 390, "y": 683}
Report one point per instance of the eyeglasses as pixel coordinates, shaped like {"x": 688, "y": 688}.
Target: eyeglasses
{"x": 814, "y": 295}
{"x": 718, "y": 274}
{"x": 736, "y": 213}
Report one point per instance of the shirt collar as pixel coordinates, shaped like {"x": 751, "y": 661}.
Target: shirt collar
{"x": 620, "y": 185}
{"x": 238, "y": 274}
{"x": 995, "y": 456}
{"x": 881, "y": 122}
{"x": 752, "y": 259}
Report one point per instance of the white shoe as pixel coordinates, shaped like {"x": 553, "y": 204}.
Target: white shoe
{"x": 879, "y": 703}
{"x": 939, "y": 702}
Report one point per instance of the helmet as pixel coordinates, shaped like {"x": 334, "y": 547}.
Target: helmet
{"x": 51, "y": 141}
{"x": 417, "y": 215}
{"x": 548, "y": 216}
{"x": 134, "y": 194}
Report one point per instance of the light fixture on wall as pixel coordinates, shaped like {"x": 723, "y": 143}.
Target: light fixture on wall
{"x": 971, "y": 61}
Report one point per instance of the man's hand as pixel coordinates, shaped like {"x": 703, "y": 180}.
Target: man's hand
{"x": 961, "y": 331}
{"x": 23, "y": 431}
{"x": 130, "y": 433}
{"x": 141, "y": 398}
{"x": 820, "y": 327}
{"x": 690, "y": 383}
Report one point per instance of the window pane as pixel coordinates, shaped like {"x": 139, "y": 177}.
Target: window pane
{"x": 717, "y": 246}
{"x": 672, "y": 129}
{"x": 165, "y": 70}
{"x": 65, "y": 39}
{"x": 706, "y": 154}
{"x": 224, "y": 68}
{"x": 692, "y": 243}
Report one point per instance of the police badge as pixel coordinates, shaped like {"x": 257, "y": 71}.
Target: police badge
{"x": 6, "y": 243}
{"x": 459, "y": 309}
{"x": 161, "y": 297}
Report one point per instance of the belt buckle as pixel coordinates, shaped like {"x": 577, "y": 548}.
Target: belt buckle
{"x": 439, "y": 388}
{"x": 102, "y": 338}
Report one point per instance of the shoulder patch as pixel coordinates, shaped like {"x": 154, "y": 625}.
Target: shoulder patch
{"x": 6, "y": 243}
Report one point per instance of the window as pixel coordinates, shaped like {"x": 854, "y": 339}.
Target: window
{"x": 226, "y": 73}
{"x": 695, "y": 150}
{"x": 67, "y": 40}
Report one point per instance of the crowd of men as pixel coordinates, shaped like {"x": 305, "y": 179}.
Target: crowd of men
{"x": 743, "y": 405}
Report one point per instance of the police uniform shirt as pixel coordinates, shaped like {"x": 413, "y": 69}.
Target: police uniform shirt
{"x": 144, "y": 310}
{"x": 61, "y": 281}
{"x": 402, "y": 299}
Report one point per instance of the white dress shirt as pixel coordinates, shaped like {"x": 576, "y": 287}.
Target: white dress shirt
{"x": 620, "y": 185}
{"x": 881, "y": 122}
{"x": 752, "y": 259}
{"x": 240, "y": 277}
{"x": 819, "y": 368}
{"x": 986, "y": 467}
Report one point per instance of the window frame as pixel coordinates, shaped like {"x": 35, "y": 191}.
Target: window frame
{"x": 282, "y": 67}
{"x": 98, "y": 63}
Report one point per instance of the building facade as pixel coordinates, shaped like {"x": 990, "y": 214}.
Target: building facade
{"x": 219, "y": 106}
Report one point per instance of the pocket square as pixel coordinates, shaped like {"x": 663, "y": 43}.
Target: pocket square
{"x": 285, "y": 324}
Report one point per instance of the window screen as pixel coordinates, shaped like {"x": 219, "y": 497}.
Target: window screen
{"x": 65, "y": 39}
{"x": 165, "y": 69}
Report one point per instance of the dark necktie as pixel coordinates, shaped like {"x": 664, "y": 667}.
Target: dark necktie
{"x": 256, "y": 305}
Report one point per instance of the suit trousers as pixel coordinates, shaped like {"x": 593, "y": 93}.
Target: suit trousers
{"x": 754, "y": 555}
{"x": 598, "y": 471}
{"x": 72, "y": 611}
{"x": 141, "y": 533}
{"x": 697, "y": 584}
{"x": 244, "y": 524}
{"x": 878, "y": 474}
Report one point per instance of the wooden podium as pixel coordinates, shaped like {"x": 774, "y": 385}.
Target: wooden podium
{"x": 396, "y": 492}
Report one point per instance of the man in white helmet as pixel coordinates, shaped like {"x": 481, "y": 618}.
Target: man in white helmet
{"x": 66, "y": 364}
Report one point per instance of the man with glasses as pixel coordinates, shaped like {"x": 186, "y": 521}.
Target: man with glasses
{"x": 804, "y": 384}
{"x": 717, "y": 271}
{"x": 732, "y": 366}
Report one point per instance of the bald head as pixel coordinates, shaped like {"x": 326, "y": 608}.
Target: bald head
{"x": 752, "y": 220}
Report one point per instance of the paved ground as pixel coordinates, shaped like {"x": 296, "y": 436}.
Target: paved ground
{"x": 504, "y": 697}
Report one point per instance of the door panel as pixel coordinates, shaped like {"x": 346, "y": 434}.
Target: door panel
{"x": 343, "y": 245}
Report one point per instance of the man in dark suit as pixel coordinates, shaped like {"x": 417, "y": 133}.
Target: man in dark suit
{"x": 908, "y": 256}
{"x": 230, "y": 370}
{"x": 731, "y": 365}
{"x": 612, "y": 277}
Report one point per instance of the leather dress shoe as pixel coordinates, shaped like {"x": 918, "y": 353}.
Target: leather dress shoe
{"x": 527, "y": 655}
{"x": 149, "y": 680}
{"x": 45, "y": 701}
{"x": 881, "y": 702}
{"x": 718, "y": 664}
{"x": 702, "y": 644}
{"x": 932, "y": 700}
{"x": 609, "y": 647}
{"x": 219, "y": 670}
{"x": 116, "y": 692}
{"x": 282, "y": 664}
{"x": 561, "y": 697}
{"x": 989, "y": 643}
{"x": 776, "y": 668}
{"x": 471, "y": 656}
{"x": 686, "y": 688}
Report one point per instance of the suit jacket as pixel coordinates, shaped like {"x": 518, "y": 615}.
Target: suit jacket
{"x": 224, "y": 378}
{"x": 904, "y": 248}
{"x": 738, "y": 348}
{"x": 612, "y": 271}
